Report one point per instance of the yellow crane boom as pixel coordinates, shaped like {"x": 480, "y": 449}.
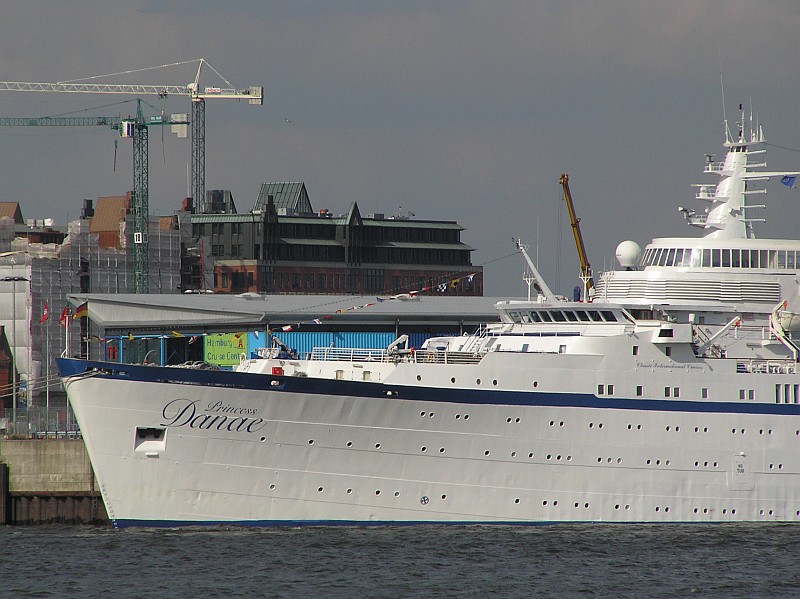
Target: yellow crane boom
{"x": 586, "y": 268}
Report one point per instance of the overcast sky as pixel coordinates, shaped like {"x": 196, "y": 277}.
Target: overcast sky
{"x": 452, "y": 110}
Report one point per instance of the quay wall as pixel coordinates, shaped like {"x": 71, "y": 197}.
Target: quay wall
{"x": 48, "y": 481}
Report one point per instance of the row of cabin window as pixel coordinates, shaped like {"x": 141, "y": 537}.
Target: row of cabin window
{"x": 782, "y": 395}
{"x": 525, "y": 316}
{"x": 721, "y": 258}
{"x": 668, "y": 391}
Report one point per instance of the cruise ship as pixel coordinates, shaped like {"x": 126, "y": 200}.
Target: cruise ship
{"x": 671, "y": 395}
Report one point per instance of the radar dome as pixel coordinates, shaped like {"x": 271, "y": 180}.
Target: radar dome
{"x": 628, "y": 254}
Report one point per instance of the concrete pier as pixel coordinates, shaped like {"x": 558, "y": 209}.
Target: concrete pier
{"x": 48, "y": 481}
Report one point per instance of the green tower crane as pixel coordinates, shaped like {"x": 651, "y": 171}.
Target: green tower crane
{"x": 135, "y": 128}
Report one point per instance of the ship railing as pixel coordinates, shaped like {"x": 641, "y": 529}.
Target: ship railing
{"x": 714, "y": 167}
{"x": 420, "y": 356}
{"x": 756, "y": 366}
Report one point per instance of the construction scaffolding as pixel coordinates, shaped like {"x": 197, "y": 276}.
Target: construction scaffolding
{"x": 34, "y": 276}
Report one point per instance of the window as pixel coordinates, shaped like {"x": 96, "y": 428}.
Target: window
{"x": 601, "y": 389}
{"x": 704, "y": 393}
{"x": 639, "y": 391}
{"x": 676, "y": 392}
{"x": 667, "y": 391}
{"x": 635, "y": 350}
{"x": 611, "y": 389}
{"x": 667, "y": 351}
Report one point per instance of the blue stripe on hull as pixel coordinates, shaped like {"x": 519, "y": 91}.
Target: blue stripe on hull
{"x": 287, "y": 384}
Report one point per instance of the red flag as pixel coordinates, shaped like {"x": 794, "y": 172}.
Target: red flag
{"x": 64, "y": 316}
{"x": 46, "y": 313}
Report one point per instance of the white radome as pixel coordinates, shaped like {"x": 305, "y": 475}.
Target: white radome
{"x": 628, "y": 254}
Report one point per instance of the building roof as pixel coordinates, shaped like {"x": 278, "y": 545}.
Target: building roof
{"x": 12, "y": 211}
{"x": 109, "y": 212}
{"x": 218, "y": 312}
{"x": 291, "y": 196}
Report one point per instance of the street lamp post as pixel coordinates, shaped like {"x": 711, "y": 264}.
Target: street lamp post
{"x": 13, "y": 281}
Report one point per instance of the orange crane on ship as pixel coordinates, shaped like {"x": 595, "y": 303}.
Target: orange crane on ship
{"x": 586, "y": 268}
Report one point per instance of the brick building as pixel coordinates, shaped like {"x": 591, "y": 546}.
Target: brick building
{"x": 283, "y": 246}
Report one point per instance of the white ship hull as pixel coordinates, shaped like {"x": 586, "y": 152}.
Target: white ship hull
{"x": 314, "y": 451}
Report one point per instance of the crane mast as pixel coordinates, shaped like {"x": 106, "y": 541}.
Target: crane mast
{"x": 586, "y": 269}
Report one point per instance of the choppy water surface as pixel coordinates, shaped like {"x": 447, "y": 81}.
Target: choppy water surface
{"x": 421, "y": 561}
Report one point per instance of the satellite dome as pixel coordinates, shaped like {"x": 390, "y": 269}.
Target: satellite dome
{"x": 628, "y": 254}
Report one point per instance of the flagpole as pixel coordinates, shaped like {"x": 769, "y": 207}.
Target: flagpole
{"x": 66, "y": 355}
{"x": 47, "y": 379}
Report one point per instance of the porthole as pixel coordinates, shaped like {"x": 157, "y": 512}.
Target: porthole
{"x": 466, "y": 416}
{"x": 272, "y": 487}
{"x": 666, "y": 509}
{"x": 477, "y": 381}
{"x": 319, "y": 489}
{"x": 600, "y": 425}
{"x": 569, "y": 458}
{"x": 549, "y": 456}
{"x": 558, "y": 457}
{"x": 441, "y": 450}
{"x": 638, "y": 427}
{"x": 311, "y": 441}
{"x": 494, "y": 382}
{"x": 486, "y": 452}
{"x": 658, "y": 509}
{"x": 377, "y": 492}
{"x": 544, "y": 502}
{"x": 349, "y": 491}
{"x": 530, "y": 455}
{"x": 397, "y": 493}
{"x": 516, "y": 420}
{"x": 555, "y": 503}
{"x": 535, "y": 384}
{"x": 552, "y": 422}
{"x": 424, "y": 449}
{"x": 444, "y": 497}
{"x": 561, "y": 423}
{"x": 508, "y": 420}
{"x": 458, "y": 416}
{"x": 453, "y": 379}
{"x": 377, "y": 445}
{"x": 591, "y": 425}
{"x": 516, "y": 500}
{"x": 513, "y": 454}
{"x": 419, "y": 378}
{"x": 263, "y": 439}
{"x": 422, "y": 414}
{"x": 431, "y": 415}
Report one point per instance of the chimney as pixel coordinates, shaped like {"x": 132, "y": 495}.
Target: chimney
{"x": 87, "y": 211}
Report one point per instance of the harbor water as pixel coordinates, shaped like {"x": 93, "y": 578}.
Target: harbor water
{"x": 584, "y": 560}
